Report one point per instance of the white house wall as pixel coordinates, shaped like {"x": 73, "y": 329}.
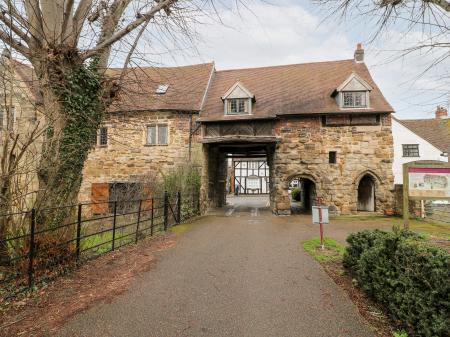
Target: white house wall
{"x": 403, "y": 135}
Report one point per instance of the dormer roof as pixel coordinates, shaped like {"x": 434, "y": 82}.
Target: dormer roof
{"x": 238, "y": 90}
{"x": 354, "y": 83}
{"x": 297, "y": 89}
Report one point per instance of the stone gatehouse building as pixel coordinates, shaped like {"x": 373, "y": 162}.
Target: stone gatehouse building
{"x": 326, "y": 124}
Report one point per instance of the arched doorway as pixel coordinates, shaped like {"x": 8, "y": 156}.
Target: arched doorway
{"x": 366, "y": 194}
{"x": 302, "y": 194}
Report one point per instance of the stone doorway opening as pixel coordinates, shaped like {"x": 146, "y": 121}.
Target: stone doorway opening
{"x": 235, "y": 169}
{"x": 302, "y": 194}
{"x": 366, "y": 194}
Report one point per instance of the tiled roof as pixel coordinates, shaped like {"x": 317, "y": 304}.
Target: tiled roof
{"x": 291, "y": 89}
{"x": 186, "y": 88}
{"x": 434, "y": 131}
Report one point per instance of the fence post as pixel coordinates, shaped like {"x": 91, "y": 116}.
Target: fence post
{"x": 79, "y": 232}
{"x": 114, "y": 226}
{"x": 138, "y": 220}
{"x": 151, "y": 221}
{"x": 166, "y": 210}
{"x": 179, "y": 206}
{"x": 31, "y": 252}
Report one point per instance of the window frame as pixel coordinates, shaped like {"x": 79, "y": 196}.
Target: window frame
{"x": 157, "y": 139}
{"x": 100, "y": 135}
{"x": 229, "y": 102}
{"x": 364, "y": 99}
{"x": 410, "y": 150}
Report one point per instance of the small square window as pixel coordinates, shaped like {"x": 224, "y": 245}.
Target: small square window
{"x": 103, "y": 138}
{"x": 332, "y": 157}
{"x": 157, "y": 134}
{"x": 410, "y": 150}
{"x": 237, "y": 106}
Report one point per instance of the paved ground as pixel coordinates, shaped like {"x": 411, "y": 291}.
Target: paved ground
{"x": 238, "y": 272}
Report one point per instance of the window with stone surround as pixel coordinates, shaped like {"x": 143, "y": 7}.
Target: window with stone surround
{"x": 410, "y": 150}
{"x": 332, "y": 157}
{"x": 103, "y": 136}
{"x": 157, "y": 134}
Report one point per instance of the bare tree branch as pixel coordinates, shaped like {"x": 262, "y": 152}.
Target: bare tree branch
{"x": 130, "y": 27}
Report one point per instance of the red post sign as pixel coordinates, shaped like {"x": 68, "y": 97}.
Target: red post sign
{"x": 319, "y": 204}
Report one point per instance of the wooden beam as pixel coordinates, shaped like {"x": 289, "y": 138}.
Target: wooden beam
{"x": 240, "y": 139}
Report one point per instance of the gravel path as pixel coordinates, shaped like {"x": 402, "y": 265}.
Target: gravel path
{"x": 238, "y": 272}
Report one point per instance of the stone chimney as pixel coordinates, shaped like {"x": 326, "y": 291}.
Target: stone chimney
{"x": 441, "y": 112}
{"x": 359, "y": 53}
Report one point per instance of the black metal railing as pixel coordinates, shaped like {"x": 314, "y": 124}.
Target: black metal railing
{"x": 36, "y": 254}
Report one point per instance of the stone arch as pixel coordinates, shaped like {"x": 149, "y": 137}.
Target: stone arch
{"x": 309, "y": 176}
{"x": 309, "y": 186}
{"x": 371, "y": 173}
{"x": 366, "y": 186}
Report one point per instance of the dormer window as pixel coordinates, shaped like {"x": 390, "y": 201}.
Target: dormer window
{"x": 354, "y": 99}
{"x": 238, "y": 106}
{"x": 238, "y": 100}
{"x": 353, "y": 93}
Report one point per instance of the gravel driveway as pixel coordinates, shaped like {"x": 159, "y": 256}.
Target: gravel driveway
{"x": 240, "y": 271}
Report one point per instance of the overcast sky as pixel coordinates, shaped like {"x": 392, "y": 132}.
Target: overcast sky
{"x": 294, "y": 31}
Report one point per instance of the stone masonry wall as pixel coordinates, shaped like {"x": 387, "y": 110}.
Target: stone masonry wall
{"x": 303, "y": 152}
{"x": 128, "y": 158}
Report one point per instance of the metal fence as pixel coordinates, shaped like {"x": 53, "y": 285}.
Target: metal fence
{"x": 36, "y": 254}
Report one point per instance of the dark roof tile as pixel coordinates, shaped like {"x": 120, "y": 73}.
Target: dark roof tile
{"x": 291, "y": 89}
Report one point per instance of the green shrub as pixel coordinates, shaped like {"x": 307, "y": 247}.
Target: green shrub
{"x": 410, "y": 278}
{"x": 296, "y": 194}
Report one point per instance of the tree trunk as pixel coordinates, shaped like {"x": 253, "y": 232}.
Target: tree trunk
{"x": 71, "y": 94}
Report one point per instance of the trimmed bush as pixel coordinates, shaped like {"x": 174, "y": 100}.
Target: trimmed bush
{"x": 296, "y": 194}
{"x": 405, "y": 274}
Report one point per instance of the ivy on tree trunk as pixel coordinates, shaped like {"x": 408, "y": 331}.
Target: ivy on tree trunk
{"x": 79, "y": 110}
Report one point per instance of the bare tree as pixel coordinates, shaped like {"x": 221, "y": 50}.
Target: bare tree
{"x": 69, "y": 43}
{"x": 429, "y": 19}
{"x": 19, "y": 149}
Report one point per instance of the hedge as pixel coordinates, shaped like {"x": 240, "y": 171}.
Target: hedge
{"x": 296, "y": 194}
{"x": 406, "y": 275}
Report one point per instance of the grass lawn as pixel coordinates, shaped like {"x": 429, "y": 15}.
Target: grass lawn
{"x": 417, "y": 225}
{"x": 333, "y": 250}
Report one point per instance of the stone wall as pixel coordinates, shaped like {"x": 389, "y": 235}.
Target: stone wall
{"x": 303, "y": 152}
{"x": 127, "y": 157}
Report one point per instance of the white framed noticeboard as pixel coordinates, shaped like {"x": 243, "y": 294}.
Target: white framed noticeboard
{"x": 429, "y": 182}
{"x": 325, "y": 214}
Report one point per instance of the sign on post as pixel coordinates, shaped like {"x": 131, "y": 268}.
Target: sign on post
{"x": 424, "y": 180}
{"x": 320, "y": 216}
{"x": 325, "y": 215}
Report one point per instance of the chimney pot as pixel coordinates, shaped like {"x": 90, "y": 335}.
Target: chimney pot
{"x": 359, "y": 53}
{"x": 441, "y": 112}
